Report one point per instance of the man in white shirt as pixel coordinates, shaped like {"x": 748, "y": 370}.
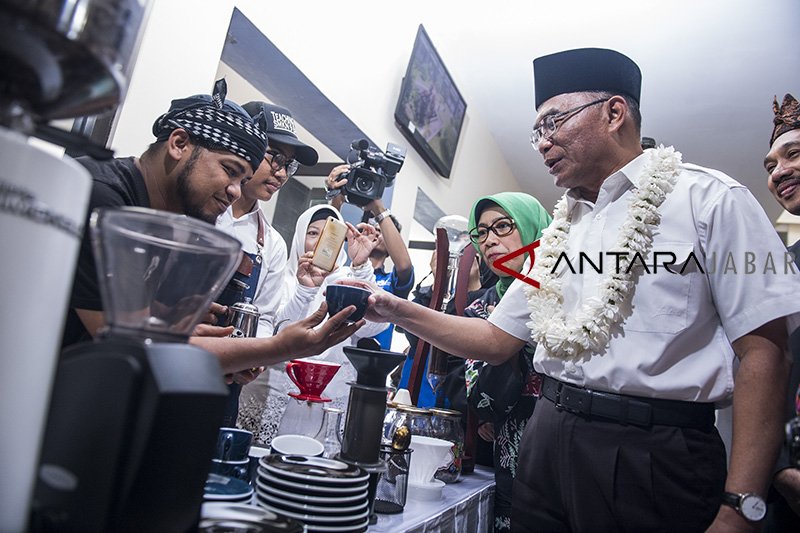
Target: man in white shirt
{"x": 246, "y": 221}
{"x": 264, "y": 259}
{"x": 637, "y": 322}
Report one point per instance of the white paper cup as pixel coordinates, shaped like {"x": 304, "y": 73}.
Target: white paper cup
{"x": 402, "y": 397}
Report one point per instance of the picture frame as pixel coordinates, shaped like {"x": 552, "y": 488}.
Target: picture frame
{"x": 430, "y": 110}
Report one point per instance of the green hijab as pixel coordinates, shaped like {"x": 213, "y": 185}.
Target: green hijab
{"x": 528, "y": 214}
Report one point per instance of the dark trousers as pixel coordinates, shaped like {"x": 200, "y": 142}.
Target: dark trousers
{"x": 592, "y": 475}
{"x": 232, "y": 407}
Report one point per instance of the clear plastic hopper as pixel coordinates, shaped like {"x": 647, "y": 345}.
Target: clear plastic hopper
{"x": 158, "y": 271}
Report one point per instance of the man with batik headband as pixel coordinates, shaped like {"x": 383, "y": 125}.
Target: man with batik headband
{"x": 782, "y": 163}
{"x": 206, "y": 148}
{"x": 634, "y": 358}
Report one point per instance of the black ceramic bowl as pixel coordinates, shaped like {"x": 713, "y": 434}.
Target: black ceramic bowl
{"x": 341, "y": 296}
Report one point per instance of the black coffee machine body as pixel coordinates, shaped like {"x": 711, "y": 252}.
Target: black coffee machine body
{"x": 130, "y": 435}
{"x": 134, "y": 415}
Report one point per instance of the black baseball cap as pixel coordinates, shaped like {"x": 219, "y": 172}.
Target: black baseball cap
{"x": 278, "y": 124}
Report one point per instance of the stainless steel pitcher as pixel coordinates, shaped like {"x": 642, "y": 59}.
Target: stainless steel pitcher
{"x": 244, "y": 318}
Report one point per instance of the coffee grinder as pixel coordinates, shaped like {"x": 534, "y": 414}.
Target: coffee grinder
{"x": 134, "y": 415}
{"x": 61, "y": 59}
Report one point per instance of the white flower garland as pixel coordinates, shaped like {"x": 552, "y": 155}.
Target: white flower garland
{"x": 589, "y": 329}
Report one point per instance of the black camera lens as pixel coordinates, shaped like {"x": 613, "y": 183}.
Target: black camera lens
{"x": 365, "y": 184}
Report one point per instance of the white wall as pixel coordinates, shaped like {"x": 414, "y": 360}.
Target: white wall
{"x": 355, "y": 52}
{"x": 790, "y": 224}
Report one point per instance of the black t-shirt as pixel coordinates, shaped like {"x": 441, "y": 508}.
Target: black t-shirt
{"x": 115, "y": 183}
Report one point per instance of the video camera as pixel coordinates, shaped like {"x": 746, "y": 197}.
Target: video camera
{"x": 372, "y": 172}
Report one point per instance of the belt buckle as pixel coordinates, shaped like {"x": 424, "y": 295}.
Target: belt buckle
{"x": 560, "y": 405}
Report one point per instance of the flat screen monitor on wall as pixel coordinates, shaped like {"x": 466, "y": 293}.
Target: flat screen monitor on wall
{"x": 430, "y": 110}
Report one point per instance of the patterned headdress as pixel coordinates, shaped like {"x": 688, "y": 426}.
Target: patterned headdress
{"x": 217, "y": 121}
{"x": 787, "y": 116}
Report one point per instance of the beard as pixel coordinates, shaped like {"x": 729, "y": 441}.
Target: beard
{"x": 185, "y": 191}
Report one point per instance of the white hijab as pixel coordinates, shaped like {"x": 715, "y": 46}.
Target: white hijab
{"x": 299, "y": 242}
{"x": 338, "y": 387}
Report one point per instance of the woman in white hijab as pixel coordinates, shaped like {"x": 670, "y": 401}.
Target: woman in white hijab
{"x": 359, "y": 245}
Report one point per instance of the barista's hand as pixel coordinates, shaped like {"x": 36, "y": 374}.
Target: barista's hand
{"x": 361, "y": 240}
{"x": 381, "y": 306}
{"x": 207, "y": 330}
{"x": 307, "y": 274}
{"x": 244, "y": 377}
{"x": 213, "y": 310}
{"x": 303, "y": 338}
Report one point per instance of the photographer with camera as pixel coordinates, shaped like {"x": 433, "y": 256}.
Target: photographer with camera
{"x": 365, "y": 191}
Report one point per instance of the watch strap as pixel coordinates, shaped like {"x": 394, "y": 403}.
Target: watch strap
{"x": 735, "y": 500}
{"x": 382, "y": 216}
{"x": 732, "y": 499}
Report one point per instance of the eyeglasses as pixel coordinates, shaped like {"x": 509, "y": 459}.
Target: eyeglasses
{"x": 278, "y": 161}
{"x": 500, "y": 227}
{"x": 549, "y": 124}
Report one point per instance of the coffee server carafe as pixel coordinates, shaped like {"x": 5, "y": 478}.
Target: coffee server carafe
{"x": 134, "y": 415}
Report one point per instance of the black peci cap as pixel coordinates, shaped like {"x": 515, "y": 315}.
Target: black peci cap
{"x": 583, "y": 70}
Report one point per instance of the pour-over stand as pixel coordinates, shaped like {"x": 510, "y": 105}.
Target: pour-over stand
{"x": 304, "y": 414}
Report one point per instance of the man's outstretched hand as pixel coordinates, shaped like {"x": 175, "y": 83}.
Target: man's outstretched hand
{"x": 303, "y": 338}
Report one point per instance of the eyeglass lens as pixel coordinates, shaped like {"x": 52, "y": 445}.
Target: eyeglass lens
{"x": 550, "y": 123}
{"x": 500, "y": 227}
{"x": 279, "y": 161}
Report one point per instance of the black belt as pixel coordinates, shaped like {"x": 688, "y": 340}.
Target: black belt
{"x": 633, "y": 410}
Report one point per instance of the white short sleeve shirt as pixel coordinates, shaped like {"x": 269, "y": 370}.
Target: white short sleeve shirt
{"x": 730, "y": 274}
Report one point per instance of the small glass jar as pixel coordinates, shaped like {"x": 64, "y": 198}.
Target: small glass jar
{"x": 417, "y": 419}
{"x": 446, "y": 425}
{"x": 407, "y": 421}
{"x": 388, "y": 422}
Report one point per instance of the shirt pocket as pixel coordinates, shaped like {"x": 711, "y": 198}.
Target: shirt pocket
{"x": 661, "y": 299}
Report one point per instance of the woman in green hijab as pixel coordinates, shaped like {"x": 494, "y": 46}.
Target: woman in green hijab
{"x": 503, "y": 395}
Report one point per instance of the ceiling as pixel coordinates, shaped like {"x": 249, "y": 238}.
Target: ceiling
{"x": 710, "y": 70}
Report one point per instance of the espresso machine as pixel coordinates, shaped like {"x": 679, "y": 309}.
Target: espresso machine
{"x": 61, "y": 59}
{"x": 134, "y": 414}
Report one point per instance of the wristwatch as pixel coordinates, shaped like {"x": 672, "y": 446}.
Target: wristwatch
{"x": 380, "y": 218}
{"x": 749, "y": 505}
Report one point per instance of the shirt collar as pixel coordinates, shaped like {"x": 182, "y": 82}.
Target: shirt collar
{"x": 257, "y": 211}
{"x": 628, "y": 175}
